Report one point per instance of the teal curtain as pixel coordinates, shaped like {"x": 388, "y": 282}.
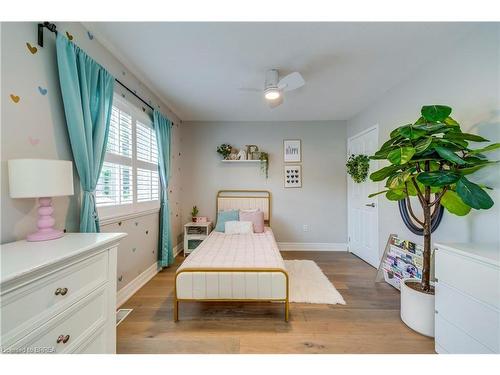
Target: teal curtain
{"x": 87, "y": 93}
{"x": 162, "y": 127}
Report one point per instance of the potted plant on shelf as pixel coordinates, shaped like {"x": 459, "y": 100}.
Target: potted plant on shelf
{"x": 264, "y": 163}
{"x": 225, "y": 150}
{"x": 431, "y": 160}
{"x": 194, "y": 213}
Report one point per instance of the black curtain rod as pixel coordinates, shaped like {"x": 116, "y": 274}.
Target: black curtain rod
{"x": 53, "y": 28}
{"x": 133, "y": 93}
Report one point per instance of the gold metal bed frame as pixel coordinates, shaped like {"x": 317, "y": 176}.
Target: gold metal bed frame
{"x": 237, "y": 194}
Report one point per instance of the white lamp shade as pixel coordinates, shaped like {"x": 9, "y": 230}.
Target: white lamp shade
{"x": 36, "y": 178}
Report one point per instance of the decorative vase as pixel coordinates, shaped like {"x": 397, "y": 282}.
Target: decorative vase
{"x": 417, "y": 309}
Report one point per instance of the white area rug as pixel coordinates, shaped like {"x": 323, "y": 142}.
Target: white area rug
{"x": 308, "y": 284}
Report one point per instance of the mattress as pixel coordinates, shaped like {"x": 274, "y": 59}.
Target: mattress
{"x": 236, "y": 266}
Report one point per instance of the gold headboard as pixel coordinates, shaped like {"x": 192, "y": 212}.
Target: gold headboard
{"x": 245, "y": 200}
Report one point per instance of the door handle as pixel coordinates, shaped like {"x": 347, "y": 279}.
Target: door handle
{"x": 370, "y": 204}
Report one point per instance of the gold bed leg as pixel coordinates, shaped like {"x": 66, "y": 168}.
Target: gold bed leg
{"x": 176, "y": 310}
{"x": 287, "y": 308}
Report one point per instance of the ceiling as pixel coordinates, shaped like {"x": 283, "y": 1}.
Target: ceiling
{"x": 198, "y": 68}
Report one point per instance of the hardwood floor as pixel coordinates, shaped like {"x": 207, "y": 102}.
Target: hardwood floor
{"x": 368, "y": 323}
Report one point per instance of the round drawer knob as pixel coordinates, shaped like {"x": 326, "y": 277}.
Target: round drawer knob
{"x": 63, "y": 338}
{"x": 61, "y": 291}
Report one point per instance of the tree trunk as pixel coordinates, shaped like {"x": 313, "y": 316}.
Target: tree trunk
{"x": 426, "y": 269}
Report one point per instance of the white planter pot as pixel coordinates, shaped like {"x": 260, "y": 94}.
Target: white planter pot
{"x": 417, "y": 309}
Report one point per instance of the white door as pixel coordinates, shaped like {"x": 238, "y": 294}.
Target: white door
{"x": 363, "y": 211}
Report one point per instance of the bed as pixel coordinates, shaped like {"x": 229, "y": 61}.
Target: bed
{"x": 236, "y": 268}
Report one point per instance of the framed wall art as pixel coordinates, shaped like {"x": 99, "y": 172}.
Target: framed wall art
{"x": 292, "y": 152}
{"x": 292, "y": 176}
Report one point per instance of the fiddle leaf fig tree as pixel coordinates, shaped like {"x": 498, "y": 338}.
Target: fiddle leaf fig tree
{"x": 432, "y": 160}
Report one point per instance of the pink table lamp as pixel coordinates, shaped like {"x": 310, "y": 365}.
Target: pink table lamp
{"x": 42, "y": 179}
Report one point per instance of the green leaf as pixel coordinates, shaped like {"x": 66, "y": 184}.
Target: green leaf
{"x": 375, "y": 194}
{"x": 420, "y": 121}
{"x": 395, "y": 195}
{"x": 449, "y": 155}
{"x": 476, "y": 159}
{"x": 453, "y": 144}
{"x": 470, "y": 170}
{"x": 454, "y": 204}
{"x": 397, "y": 181}
{"x": 411, "y": 132}
{"x": 434, "y": 128}
{"x": 423, "y": 144}
{"x": 401, "y": 156}
{"x": 435, "y": 113}
{"x": 473, "y": 195}
{"x": 383, "y": 173}
{"x": 491, "y": 147}
{"x": 466, "y": 136}
{"x": 450, "y": 121}
{"x": 438, "y": 178}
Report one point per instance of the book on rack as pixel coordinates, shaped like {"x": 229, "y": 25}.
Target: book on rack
{"x": 402, "y": 259}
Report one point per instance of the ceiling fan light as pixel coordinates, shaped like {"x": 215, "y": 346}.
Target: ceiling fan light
{"x": 272, "y": 93}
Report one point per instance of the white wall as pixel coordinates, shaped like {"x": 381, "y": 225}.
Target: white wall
{"x": 320, "y": 203}
{"x": 466, "y": 77}
{"x": 35, "y": 127}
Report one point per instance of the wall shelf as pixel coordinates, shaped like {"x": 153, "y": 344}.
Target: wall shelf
{"x": 240, "y": 161}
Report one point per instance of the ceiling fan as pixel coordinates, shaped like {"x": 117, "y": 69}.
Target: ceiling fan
{"x": 275, "y": 87}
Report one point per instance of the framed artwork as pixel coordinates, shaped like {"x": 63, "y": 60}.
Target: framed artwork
{"x": 293, "y": 176}
{"x": 292, "y": 152}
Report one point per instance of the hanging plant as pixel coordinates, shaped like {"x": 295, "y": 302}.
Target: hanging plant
{"x": 357, "y": 167}
{"x": 264, "y": 163}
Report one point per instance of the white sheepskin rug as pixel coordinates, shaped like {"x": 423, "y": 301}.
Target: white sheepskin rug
{"x": 308, "y": 284}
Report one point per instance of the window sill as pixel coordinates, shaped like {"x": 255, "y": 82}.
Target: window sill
{"x": 107, "y": 220}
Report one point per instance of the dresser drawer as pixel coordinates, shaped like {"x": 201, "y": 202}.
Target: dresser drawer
{"x": 455, "y": 341}
{"x": 475, "y": 318}
{"x": 32, "y": 305}
{"x": 70, "y": 329}
{"x": 469, "y": 276}
{"x": 96, "y": 344}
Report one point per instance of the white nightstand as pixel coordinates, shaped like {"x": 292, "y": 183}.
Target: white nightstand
{"x": 194, "y": 234}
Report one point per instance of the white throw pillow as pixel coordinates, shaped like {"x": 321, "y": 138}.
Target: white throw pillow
{"x": 238, "y": 227}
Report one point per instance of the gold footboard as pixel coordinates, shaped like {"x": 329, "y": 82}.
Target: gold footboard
{"x": 285, "y": 301}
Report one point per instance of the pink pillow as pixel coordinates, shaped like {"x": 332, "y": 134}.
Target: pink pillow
{"x": 256, "y": 217}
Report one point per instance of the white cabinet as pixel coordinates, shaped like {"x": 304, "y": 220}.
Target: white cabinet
{"x": 59, "y": 296}
{"x": 467, "y": 298}
{"x": 194, "y": 235}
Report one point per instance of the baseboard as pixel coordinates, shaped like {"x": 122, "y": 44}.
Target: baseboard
{"x": 132, "y": 287}
{"x": 129, "y": 290}
{"x": 178, "y": 248}
{"x": 305, "y": 246}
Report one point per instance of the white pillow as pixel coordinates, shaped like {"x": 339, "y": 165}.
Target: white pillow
{"x": 238, "y": 227}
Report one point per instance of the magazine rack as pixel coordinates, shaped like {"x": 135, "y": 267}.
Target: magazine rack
{"x": 401, "y": 259}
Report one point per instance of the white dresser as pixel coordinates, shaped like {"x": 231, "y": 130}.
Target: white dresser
{"x": 467, "y": 298}
{"x": 59, "y": 296}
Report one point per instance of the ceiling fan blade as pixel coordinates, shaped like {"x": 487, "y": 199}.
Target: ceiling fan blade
{"x": 249, "y": 89}
{"x": 275, "y": 103}
{"x": 291, "y": 82}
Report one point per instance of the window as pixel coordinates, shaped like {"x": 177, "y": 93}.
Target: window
{"x": 129, "y": 180}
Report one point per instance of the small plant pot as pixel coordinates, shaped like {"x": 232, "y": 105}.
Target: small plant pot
{"x": 417, "y": 309}
{"x": 193, "y": 219}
